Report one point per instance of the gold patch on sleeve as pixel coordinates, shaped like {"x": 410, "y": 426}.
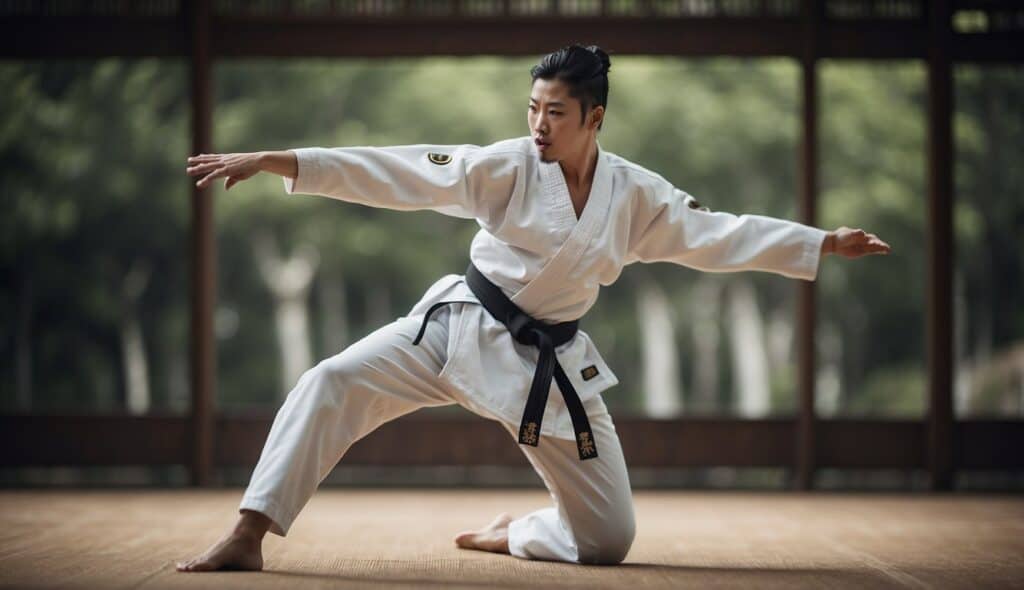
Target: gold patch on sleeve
{"x": 439, "y": 159}
{"x": 589, "y": 373}
{"x": 695, "y": 204}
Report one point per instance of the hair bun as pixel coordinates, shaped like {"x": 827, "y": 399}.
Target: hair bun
{"x": 606, "y": 62}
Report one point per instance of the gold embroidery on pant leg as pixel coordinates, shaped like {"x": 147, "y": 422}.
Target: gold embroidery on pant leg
{"x": 529, "y": 435}
{"x": 586, "y": 444}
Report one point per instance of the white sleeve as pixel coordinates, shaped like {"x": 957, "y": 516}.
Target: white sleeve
{"x": 458, "y": 180}
{"x": 671, "y": 226}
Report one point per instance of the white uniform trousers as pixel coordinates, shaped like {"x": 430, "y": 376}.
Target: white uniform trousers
{"x": 384, "y": 376}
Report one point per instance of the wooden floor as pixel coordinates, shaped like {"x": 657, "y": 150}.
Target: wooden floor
{"x": 388, "y": 538}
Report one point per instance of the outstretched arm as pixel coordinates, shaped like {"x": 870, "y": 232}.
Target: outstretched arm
{"x": 669, "y": 225}
{"x": 465, "y": 181}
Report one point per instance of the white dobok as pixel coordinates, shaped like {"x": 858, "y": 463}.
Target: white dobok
{"x": 548, "y": 262}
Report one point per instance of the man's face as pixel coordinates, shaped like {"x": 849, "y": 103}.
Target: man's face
{"x": 554, "y": 118}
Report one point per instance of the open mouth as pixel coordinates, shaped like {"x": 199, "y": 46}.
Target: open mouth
{"x": 541, "y": 144}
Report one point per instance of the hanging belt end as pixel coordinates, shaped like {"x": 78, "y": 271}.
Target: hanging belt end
{"x": 426, "y": 318}
{"x": 529, "y": 434}
{"x": 585, "y": 445}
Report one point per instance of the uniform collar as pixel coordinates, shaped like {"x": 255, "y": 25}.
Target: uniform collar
{"x": 557, "y": 189}
{"x": 552, "y": 278}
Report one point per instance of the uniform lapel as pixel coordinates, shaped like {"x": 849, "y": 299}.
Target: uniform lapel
{"x": 594, "y": 216}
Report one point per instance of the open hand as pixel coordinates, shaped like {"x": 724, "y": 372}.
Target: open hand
{"x": 233, "y": 167}
{"x": 853, "y": 243}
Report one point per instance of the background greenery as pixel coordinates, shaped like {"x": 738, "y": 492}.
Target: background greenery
{"x": 94, "y": 230}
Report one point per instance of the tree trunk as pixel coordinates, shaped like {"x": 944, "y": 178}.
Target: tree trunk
{"x": 662, "y": 392}
{"x": 23, "y": 344}
{"x": 378, "y": 305}
{"x": 749, "y": 359}
{"x": 827, "y": 381}
{"x": 704, "y": 309}
{"x": 289, "y": 281}
{"x": 133, "y": 348}
{"x": 334, "y": 307}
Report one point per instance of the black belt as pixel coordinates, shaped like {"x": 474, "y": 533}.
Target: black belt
{"x": 529, "y": 331}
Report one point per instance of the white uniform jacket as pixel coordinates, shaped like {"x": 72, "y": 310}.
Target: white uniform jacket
{"x": 547, "y": 261}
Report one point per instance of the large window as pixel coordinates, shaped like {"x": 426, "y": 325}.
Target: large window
{"x": 685, "y": 342}
{"x": 871, "y": 317}
{"x": 682, "y": 342}
{"x": 988, "y": 224}
{"x": 94, "y": 249}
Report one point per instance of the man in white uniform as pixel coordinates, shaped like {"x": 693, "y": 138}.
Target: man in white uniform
{"x": 559, "y": 218}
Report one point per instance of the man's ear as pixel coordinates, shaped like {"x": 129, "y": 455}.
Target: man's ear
{"x": 596, "y": 116}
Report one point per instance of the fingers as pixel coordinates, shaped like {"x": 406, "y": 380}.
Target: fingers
{"x": 864, "y": 243}
{"x": 209, "y": 177}
{"x": 872, "y": 245}
{"x": 878, "y": 246}
{"x": 202, "y": 168}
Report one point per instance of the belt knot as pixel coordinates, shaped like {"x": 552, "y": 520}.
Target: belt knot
{"x": 525, "y": 329}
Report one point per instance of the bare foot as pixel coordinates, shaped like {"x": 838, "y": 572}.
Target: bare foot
{"x": 233, "y": 552}
{"x": 493, "y": 537}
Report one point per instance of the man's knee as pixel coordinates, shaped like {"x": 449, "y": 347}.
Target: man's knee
{"x": 324, "y": 382}
{"x": 610, "y": 545}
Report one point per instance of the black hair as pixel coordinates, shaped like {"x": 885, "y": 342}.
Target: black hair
{"x": 583, "y": 69}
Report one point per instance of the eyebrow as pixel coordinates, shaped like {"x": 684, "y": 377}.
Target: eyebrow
{"x": 554, "y": 104}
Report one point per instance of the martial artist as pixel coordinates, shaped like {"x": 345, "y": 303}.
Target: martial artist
{"x": 559, "y": 218}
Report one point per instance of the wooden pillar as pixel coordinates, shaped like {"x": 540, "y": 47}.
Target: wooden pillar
{"x": 806, "y": 301}
{"x": 203, "y": 284}
{"x": 939, "y": 331}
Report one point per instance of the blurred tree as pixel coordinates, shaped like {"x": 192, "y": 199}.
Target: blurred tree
{"x": 94, "y": 242}
{"x": 92, "y": 237}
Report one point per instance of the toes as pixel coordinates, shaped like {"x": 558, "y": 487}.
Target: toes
{"x": 203, "y": 566}
{"x": 196, "y": 565}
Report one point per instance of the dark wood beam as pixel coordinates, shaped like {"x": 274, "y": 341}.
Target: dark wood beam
{"x": 939, "y": 313}
{"x": 872, "y": 444}
{"x": 988, "y": 48}
{"x": 397, "y": 37}
{"x": 806, "y": 319}
{"x": 53, "y": 37}
{"x": 461, "y": 441}
{"x": 40, "y": 440}
{"x": 40, "y": 37}
{"x": 204, "y": 254}
{"x": 873, "y": 39}
{"x": 421, "y": 439}
{"x": 988, "y": 444}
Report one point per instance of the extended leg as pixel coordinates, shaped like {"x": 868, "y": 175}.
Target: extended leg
{"x": 333, "y": 405}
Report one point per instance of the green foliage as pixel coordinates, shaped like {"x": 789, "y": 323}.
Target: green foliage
{"x": 93, "y": 182}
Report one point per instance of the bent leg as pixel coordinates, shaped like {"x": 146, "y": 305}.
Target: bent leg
{"x": 340, "y": 400}
{"x": 592, "y": 520}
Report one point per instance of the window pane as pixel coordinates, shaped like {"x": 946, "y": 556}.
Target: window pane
{"x": 364, "y": 266}
{"x": 682, "y": 341}
{"x": 727, "y": 136}
{"x": 989, "y": 229}
{"x": 870, "y": 333}
{"x": 95, "y": 227}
